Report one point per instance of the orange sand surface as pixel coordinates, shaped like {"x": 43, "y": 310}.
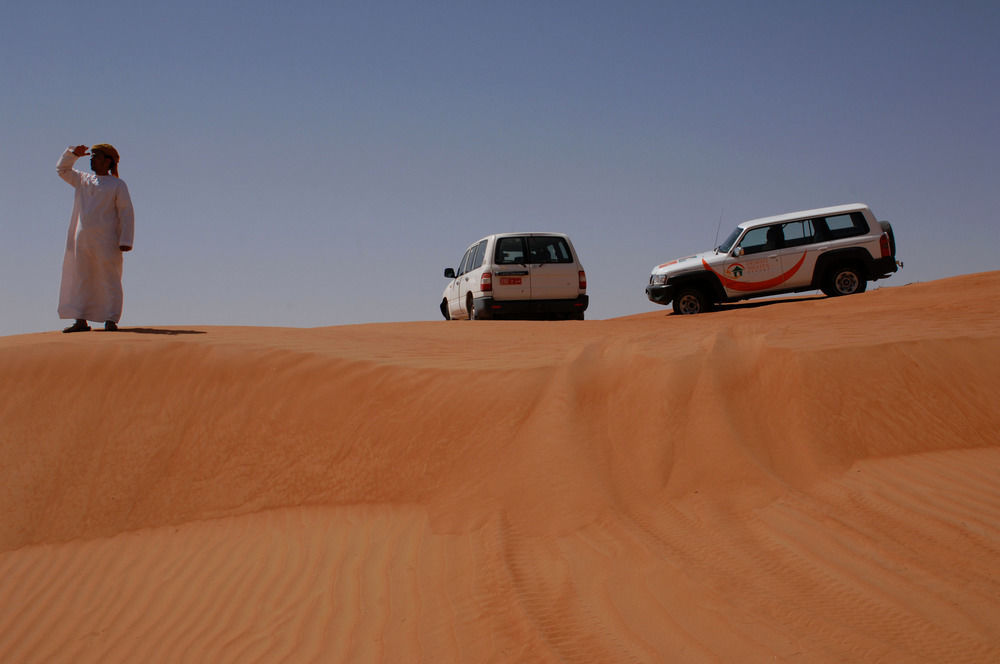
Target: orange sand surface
{"x": 811, "y": 479}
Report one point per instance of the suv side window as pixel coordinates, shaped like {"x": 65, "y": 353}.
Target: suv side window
{"x": 845, "y": 225}
{"x": 466, "y": 259}
{"x": 549, "y": 250}
{"x": 510, "y": 251}
{"x": 477, "y": 260}
{"x": 797, "y": 233}
{"x": 755, "y": 240}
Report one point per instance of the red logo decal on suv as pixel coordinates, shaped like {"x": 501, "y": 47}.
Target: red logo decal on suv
{"x": 732, "y": 284}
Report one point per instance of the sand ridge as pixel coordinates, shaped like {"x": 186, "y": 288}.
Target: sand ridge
{"x": 812, "y": 479}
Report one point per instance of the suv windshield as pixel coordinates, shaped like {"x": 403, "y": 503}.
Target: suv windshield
{"x": 727, "y": 244}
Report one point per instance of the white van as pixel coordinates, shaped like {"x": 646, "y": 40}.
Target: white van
{"x": 517, "y": 275}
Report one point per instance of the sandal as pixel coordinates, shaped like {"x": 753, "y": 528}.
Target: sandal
{"x": 78, "y": 326}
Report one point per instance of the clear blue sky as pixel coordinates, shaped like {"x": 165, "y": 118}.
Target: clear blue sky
{"x": 321, "y": 163}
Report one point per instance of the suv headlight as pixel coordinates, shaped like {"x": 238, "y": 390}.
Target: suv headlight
{"x": 657, "y": 279}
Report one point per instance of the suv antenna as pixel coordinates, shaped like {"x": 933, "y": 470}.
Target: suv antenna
{"x": 719, "y": 227}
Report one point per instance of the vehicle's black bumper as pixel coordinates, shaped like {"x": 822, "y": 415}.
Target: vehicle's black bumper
{"x": 487, "y": 307}
{"x": 660, "y": 294}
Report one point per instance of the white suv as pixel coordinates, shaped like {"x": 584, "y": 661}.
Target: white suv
{"x": 517, "y": 275}
{"x": 837, "y": 250}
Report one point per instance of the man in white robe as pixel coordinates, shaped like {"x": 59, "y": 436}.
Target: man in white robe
{"x": 100, "y": 229}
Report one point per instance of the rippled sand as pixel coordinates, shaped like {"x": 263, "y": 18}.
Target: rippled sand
{"x": 810, "y": 480}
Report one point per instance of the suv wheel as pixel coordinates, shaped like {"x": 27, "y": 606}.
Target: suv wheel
{"x": 846, "y": 280}
{"x": 470, "y": 307}
{"x": 444, "y": 310}
{"x": 690, "y": 301}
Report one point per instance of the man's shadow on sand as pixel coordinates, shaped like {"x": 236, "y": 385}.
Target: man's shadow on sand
{"x": 153, "y": 330}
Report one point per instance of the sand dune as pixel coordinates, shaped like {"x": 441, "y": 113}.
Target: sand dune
{"x": 809, "y": 480}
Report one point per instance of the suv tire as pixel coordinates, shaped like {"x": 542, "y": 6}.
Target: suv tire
{"x": 845, "y": 280}
{"x": 691, "y": 300}
{"x": 444, "y": 310}
{"x": 470, "y": 307}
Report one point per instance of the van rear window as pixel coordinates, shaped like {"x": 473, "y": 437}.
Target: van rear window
{"x": 549, "y": 250}
{"x": 532, "y": 249}
{"x": 510, "y": 250}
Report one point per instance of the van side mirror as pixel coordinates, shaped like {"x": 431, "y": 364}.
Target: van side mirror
{"x": 738, "y": 251}
{"x": 449, "y": 272}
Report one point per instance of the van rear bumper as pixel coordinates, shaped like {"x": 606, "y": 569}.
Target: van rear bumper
{"x": 487, "y": 307}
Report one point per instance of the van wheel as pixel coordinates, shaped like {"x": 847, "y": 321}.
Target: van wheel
{"x": 444, "y": 310}
{"x": 691, "y": 301}
{"x": 470, "y": 307}
{"x": 845, "y": 280}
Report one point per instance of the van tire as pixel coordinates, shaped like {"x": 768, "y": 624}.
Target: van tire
{"x": 846, "y": 279}
{"x": 691, "y": 300}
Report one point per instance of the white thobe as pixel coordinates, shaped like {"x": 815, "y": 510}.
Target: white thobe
{"x": 102, "y": 222}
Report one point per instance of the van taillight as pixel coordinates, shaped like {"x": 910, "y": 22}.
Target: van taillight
{"x": 583, "y": 280}
{"x": 486, "y": 282}
{"x": 884, "y": 244}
